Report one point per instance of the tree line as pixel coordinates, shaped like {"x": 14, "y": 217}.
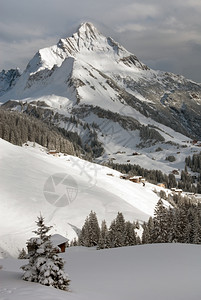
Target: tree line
{"x": 40, "y": 125}
{"x": 120, "y": 233}
{"x": 186, "y": 182}
{"x": 194, "y": 162}
{"x": 18, "y": 128}
{"x": 181, "y": 224}
{"x": 178, "y": 224}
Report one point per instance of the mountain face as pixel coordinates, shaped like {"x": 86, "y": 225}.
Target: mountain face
{"x": 8, "y": 80}
{"x": 91, "y": 85}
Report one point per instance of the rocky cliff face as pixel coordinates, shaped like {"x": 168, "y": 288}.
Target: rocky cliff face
{"x": 8, "y": 80}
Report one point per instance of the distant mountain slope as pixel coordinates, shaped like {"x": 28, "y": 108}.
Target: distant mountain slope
{"x": 31, "y": 182}
{"x": 96, "y": 81}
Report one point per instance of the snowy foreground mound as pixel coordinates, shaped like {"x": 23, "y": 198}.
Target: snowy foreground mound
{"x": 154, "y": 272}
{"x": 64, "y": 189}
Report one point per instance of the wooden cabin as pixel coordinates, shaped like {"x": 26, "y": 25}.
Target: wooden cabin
{"x": 176, "y": 191}
{"x": 59, "y": 241}
{"x": 175, "y": 172}
{"x": 137, "y": 179}
{"x": 53, "y": 152}
{"x": 125, "y": 176}
{"x": 161, "y": 185}
{"x": 136, "y": 153}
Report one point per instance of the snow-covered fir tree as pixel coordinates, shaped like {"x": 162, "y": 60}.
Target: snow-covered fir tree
{"x": 181, "y": 228}
{"x": 94, "y": 229}
{"x": 102, "y": 243}
{"x": 111, "y": 240}
{"x": 120, "y": 230}
{"x": 44, "y": 266}
{"x": 90, "y": 232}
{"x": 83, "y": 239}
{"x": 161, "y": 226}
{"x": 196, "y": 229}
{"x": 145, "y": 234}
{"x": 130, "y": 235}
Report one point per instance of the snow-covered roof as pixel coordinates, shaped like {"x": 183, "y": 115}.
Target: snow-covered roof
{"x": 136, "y": 177}
{"x": 58, "y": 239}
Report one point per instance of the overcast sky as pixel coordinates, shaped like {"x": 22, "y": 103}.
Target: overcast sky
{"x": 164, "y": 34}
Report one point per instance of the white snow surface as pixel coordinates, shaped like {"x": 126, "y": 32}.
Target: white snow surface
{"x": 26, "y": 175}
{"x": 154, "y": 272}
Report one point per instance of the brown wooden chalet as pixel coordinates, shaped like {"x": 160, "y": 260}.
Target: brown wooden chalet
{"x": 175, "y": 172}
{"x": 53, "y": 152}
{"x": 161, "y": 185}
{"x": 137, "y": 179}
{"x": 125, "y": 176}
{"x": 58, "y": 241}
{"x": 177, "y": 191}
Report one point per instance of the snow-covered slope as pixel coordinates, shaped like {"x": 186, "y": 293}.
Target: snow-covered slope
{"x": 97, "y": 80}
{"x": 154, "y": 272}
{"x": 64, "y": 189}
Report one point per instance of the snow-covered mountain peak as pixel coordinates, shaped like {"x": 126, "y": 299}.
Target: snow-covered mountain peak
{"x": 88, "y": 30}
{"x": 88, "y": 68}
{"x": 86, "y": 44}
{"x": 86, "y": 38}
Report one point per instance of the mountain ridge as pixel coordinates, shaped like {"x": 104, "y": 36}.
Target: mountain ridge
{"x": 91, "y": 77}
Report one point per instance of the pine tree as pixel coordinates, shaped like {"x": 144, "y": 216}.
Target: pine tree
{"x": 171, "y": 221}
{"x": 94, "y": 229}
{"x": 90, "y": 232}
{"x": 84, "y": 234}
{"x": 181, "y": 229}
{"x": 145, "y": 234}
{"x": 196, "y": 238}
{"x": 150, "y": 226}
{"x": 160, "y": 223}
{"x": 111, "y": 240}
{"x": 136, "y": 225}
{"x": 120, "y": 230}
{"x": 171, "y": 181}
{"x": 22, "y": 254}
{"x": 45, "y": 266}
{"x": 130, "y": 235}
{"x": 102, "y": 243}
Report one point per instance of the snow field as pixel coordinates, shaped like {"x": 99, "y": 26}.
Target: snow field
{"x": 25, "y": 173}
{"x": 155, "y": 272}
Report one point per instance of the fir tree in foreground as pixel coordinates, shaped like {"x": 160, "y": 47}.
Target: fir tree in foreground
{"x": 45, "y": 266}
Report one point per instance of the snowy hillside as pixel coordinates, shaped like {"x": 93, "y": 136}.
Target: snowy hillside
{"x": 154, "y": 272}
{"x": 64, "y": 189}
{"x": 110, "y": 93}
